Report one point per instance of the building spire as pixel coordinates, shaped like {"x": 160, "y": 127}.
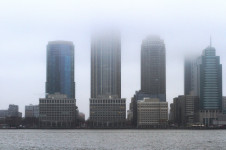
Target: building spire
{"x": 210, "y": 41}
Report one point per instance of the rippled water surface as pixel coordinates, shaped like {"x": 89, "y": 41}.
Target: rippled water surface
{"x": 112, "y": 139}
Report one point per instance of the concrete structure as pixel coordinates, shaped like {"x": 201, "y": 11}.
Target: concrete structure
{"x": 12, "y": 111}
{"x": 57, "y": 111}
{"x": 220, "y": 121}
{"x": 191, "y": 109}
{"x": 224, "y": 104}
{"x": 32, "y": 111}
{"x": 109, "y": 112}
{"x": 3, "y": 113}
{"x": 184, "y": 110}
{"x": 137, "y": 96}
{"x": 152, "y": 113}
{"x": 60, "y": 68}
{"x": 153, "y": 67}
{"x": 107, "y": 109}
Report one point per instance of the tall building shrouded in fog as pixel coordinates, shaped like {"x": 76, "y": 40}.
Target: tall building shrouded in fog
{"x": 153, "y": 67}
{"x": 107, "y": 108}
{"x": 60, "y": 68}
{"x": 203, "y": 78}
{"x": 106, "y": 66}
{"x": 191, "y": 76}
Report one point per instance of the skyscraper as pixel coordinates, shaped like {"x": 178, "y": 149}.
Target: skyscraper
{"x": 153, "y": 67}
{"x": 60, "y": 68}
{"x": 191, "y": 76}
{"x": 107, "y": 109}
{"x": 106, "y": 66}
{"x": 210, "y": 80}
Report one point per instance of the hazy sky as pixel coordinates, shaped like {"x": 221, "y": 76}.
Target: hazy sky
{"x": 26, "y": 26}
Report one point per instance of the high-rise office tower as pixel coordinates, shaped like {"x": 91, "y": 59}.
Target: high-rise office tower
{"x": 107, "y": 109}
{"x": 153, "y": 67}
{"x": 209, "y": 86}
{"x": 210, "y": 80}
{"x": 106, "y": 66}
{"x": 191, "y": 76}
{"x": 60, "y": 68}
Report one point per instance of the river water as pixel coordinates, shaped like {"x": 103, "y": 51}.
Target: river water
{"x": 112, "y": 139}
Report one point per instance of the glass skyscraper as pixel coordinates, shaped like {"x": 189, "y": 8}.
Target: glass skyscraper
{"x": 107, "y": 108}
{"x": 60, "y": 68}
{"x": 210, "y": 79}
{"x": 190, "y": 76}
{"x": 106, "y": 66}
{"x": 153, "y": 67}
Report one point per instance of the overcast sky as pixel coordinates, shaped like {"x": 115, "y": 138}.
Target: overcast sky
{"x": 26, "y": 26}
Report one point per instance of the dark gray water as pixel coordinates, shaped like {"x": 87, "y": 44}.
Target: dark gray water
{"x": 112, "y": 139}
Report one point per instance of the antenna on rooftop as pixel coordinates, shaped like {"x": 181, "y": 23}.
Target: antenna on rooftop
{"x": 210, "y": 41}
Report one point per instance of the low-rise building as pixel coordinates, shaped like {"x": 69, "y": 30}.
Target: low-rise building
{"x": 32, "y": 111}
{"x": 184, "y": 111}
{"x": 13, "y": 110}
{"x": 57, "y": 111}
{"x": 3, "y": 113}
{"x": 224, "y": 104}
{"x": 151, "y": 113}
{"x": 107, "y": 112}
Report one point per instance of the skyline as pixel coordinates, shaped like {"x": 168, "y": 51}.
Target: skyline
{"x": 25, "y": 36}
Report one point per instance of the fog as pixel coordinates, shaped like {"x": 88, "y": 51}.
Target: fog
{"x": 27, "y": 26}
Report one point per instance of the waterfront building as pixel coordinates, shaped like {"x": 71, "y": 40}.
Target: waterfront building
{"x": 153, "y": 67}
{"x": 106, "y": 81}
{"x": 153, "y": 72}
{"x": 151, "y": 112}
{"x": 57, "y": 111}
{"x": 224, "y": 104}
{"x": 60, "y": 68}
{"x": 137, "y": 96}
{"x": 12, "y": 111}
{"x": 191, "y": 76}
{"x": 210, "y": 86}
{"x": 191, "y": 109}
{"x": 32, "y": 111}
{"x": 108, "y": 112}
{"x": 3, "y": 113}
{"x": 184, "y": 110}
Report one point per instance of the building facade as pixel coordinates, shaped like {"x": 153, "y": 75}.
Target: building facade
{"x": 210, "y": 86}
{"x": 108, "y": 112}
{"x": 106, "y": 66}
{"x": 32, "y": 111}
{"x": 153, "y": 67}
{"x": 152, "y": 113}
{"x": 224, "y": 104}
{"x": 60, "y": 68}
{"x": 191, "y": 76}
{"x": 107, "y": 109}
{"x": 12, "y": 111}
{"x": 57, "y": 111}
{"x": 184, "y": 110}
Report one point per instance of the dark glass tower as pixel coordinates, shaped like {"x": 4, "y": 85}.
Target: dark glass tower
{"x": 210, "y": 79}
{"x": 106, "y": 66}
{"x": 190, "y": 76}
{"x": 153, "y": 67}
{"x": 60, "y": 68}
